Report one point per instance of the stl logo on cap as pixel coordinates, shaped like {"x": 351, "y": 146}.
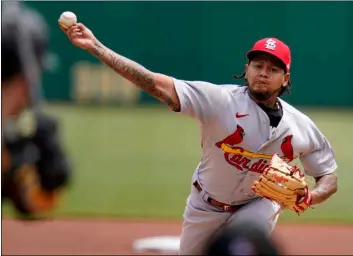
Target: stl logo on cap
{"x": 270, "y": 44}
{"x": 274, "y": 47}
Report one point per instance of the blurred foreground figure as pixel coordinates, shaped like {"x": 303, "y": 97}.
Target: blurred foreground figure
{"x": 245, "y": 238}
{"x": 34, "y": 167}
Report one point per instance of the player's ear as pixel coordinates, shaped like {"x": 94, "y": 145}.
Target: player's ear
{"x": 286, "y": 79}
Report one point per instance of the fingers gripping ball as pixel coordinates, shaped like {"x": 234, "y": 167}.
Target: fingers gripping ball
{"x": 285, "y": 185}
{"x": 67, "y": 19}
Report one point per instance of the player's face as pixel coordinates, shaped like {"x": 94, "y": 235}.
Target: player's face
{"x": 265, "y": 76}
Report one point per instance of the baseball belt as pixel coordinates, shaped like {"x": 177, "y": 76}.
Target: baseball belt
{"x": 213, "y": 202}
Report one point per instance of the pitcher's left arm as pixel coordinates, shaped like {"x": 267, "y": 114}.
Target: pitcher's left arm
{"x": 325, "y": 187}
{"x": 319, "y": 162}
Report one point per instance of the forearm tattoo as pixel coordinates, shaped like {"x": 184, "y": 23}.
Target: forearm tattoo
{"x": 134, "y": 72}
{"x": 98, "y": 50}
{"x": 324, "y": 188}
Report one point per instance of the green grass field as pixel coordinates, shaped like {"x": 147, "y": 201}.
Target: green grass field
{"x": 134, "y": 163}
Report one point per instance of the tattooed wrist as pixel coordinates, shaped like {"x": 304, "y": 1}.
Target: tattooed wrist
{"x": 98, "y": 50}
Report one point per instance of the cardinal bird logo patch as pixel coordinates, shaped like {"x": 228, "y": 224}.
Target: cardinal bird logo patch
{"x": 287, "y": 148}
{"x": 233, "y": 139}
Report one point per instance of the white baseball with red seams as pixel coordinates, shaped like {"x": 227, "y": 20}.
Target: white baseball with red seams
{"x": 237, "y": 145}
{"x": 67, "y": 19}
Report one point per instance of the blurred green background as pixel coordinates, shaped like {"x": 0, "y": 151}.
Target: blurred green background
{"x": 132, "y": 157}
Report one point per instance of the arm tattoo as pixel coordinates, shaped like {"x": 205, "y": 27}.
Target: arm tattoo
{"x": 132, "y": 71}
{"x": 324, "y": 188}
{"x": 98, "y": 50}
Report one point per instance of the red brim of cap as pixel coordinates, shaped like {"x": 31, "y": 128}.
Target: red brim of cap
{"x": 252, "y": 52}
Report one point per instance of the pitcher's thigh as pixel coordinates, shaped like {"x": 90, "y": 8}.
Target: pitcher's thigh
{"x": 258, "y": 211}
{"x": 198, "y": 227}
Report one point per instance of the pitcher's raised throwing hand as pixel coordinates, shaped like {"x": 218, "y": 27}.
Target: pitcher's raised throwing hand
{"x": 80, "y": 36}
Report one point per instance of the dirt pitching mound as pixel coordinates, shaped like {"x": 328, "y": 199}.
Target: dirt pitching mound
{"x": 70, "y": 237}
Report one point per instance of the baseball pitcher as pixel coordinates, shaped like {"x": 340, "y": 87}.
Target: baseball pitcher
{"x": 249, "y": 138}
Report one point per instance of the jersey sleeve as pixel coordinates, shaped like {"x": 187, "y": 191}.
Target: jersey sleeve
{"x": 200, "y": 100}
{"x": 320, "y": 160}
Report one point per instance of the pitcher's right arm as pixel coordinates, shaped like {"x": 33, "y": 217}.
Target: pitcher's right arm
{"x": 200, "y": 100}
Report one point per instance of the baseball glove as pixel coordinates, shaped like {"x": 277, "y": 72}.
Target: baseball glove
{"x": 285, "y": 185}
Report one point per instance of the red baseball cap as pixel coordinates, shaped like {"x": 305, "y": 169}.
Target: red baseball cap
{"x": 274, "y": 47}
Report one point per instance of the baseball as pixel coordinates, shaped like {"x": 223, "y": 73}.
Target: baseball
{"x": 67, "y": 19}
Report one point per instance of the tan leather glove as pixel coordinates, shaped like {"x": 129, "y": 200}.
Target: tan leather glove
{"x": 285, "y": 185}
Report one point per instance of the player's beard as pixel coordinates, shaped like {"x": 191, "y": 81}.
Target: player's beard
{"x": 262, "y": 96}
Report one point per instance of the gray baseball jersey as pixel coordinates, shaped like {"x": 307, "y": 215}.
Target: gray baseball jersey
{"x": 238, "y": 142}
